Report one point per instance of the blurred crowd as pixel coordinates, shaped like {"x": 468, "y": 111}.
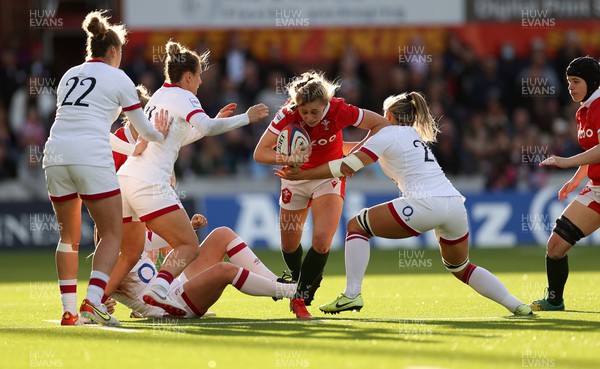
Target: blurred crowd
{"x": 500, "y": 115}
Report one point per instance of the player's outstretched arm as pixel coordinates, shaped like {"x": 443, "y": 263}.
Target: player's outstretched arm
{"x": 591, "y": 156}
{"x": 333, "y": 169}
{"x": 216, "y": 126}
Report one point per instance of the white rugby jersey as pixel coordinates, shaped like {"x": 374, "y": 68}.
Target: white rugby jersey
{"x": 89, "y": 100}
{"x": 135, "y": 284}
{"x": 408, "y": 161}
{"x": 190, "y": 123}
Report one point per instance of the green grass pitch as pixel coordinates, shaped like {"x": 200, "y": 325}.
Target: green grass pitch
{"x": 416, "y": 315}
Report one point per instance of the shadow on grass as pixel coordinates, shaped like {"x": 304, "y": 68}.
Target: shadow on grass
{"x": 39, "y": 266}
{"x": 421, "y": 330}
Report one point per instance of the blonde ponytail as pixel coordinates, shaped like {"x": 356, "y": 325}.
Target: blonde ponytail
{"x": 411, "y": 109}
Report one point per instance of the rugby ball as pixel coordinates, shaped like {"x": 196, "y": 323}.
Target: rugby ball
{"x": 290, "y": 138}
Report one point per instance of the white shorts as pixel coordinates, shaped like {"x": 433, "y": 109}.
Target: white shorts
{"x": 298, "y": 195}
{"x": 590, "y": 197}
{"x": 143, "y": 201}
{"x": 66, "y": 182}
{"x": 154, "y": 241}
{"x": 446, "y": 215}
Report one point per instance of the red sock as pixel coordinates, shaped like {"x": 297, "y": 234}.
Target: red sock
{"x": 191, "y": 305}
{"x": 167, "y": 276}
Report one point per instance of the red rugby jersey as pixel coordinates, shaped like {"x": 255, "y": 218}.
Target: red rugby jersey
{"x": 588, "y": 129}
{"x": 326, "y": 136}
{"x": 125, "y": 136}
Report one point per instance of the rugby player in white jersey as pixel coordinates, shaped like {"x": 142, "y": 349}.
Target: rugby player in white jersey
{"x": 428, "y": 201}
{"x": 79, "y": 166}
{"x": 145, "y": 180}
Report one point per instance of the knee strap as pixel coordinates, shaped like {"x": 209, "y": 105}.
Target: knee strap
{"x": 567, "y": 230}
{"x": 455, "y": 268}
{"x": 363, "y": 221}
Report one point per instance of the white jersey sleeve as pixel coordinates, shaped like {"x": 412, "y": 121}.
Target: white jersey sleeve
{"x": 216, "y": 126}
{"x": 143, "y": 126}
{"x": 126, "y": 93}
{"x": 205, "y": 125}
{"x": 120, "y": 146}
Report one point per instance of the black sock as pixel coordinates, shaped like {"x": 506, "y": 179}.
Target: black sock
{"x": 557, "y": 271}
{"x": 312, "y": 266}
{"x": 293, "y": 260}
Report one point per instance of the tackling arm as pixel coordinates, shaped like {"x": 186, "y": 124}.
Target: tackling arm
{"x": 216, "y": 126}
{"x": 333, "y": 169}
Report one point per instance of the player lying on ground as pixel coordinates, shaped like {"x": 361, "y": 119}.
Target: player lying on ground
{"x": 202, "y": 282}
{"x": 429, "y": 201}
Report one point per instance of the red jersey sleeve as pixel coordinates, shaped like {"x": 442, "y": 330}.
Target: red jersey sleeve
{"x": 349, "y": 115}
{"x": 118, "y": 157}
{"x": 281, "y": 119}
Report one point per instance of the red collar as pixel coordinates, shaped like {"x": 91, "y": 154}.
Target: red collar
{"x": 95, "y": 61}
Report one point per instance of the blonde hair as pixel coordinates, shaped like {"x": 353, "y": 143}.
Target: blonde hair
{"x": 310, "y": 86}
{"x": 410, "y": 108}
{"x": 101, "y": 35}
{"x": 180, "y": 59}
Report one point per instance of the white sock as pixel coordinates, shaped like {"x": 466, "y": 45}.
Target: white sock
{"x": 95, "y": 290}
{"x": 256, "y": 285}
{"x": 68, "y": 295}
{"x": 183, "y": 278}
{"x": 163, "y": 278}
{"x": 357, "y": 259}
{"x": 486, "y": 284}
{"x": 241, "y": 255}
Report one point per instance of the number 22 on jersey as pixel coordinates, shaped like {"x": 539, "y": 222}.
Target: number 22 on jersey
{"x": 90, "y": 82}
{"x": 428, "y": 155}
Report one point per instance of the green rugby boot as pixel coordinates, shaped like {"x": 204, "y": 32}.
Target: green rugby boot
{"x": 342, "y": 303}
{"x": 544, "y": 305}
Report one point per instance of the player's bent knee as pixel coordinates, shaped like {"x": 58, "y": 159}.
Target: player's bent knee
{"x": 354, "y": 227}
{"x": 363, "y": 223}
{"x": 223, "y": 232}
{"x": 226, "y": 269}
{"x": 321, "y": 248}
{"x": 321, "y": 244}
{"x": 556, "y": 248}
{"x": 567, "y": 230}
{"x": 223, "y": 235}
